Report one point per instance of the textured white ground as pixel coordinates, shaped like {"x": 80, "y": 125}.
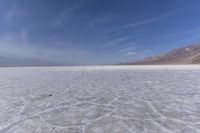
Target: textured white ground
{"x": 112, "y": 99}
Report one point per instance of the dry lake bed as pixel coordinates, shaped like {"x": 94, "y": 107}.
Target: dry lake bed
{"x": 101, "y": 99}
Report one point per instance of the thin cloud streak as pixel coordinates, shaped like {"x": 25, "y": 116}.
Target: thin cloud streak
{"x": 123, "y": 39}
{"x": 194, "y": 31}
{"x": 66, "y": 12}
{"x": 130, "y": 53}
{"x": 126, "y": 49}
{"x": 155, "y": 19}
{"x": 117, "y": 41}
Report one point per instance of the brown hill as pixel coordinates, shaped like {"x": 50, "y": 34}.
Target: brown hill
{"x": 185, "y": 55}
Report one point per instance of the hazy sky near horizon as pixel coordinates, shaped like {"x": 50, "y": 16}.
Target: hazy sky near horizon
{"x": 96, "y": 31}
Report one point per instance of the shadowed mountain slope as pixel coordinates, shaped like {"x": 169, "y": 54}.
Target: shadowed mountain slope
{"x": 184, "y": 55}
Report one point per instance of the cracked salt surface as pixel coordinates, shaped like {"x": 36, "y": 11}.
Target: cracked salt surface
{"x": 104, "y": 99}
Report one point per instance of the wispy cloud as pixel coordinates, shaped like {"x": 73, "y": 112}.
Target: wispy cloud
{"x": 126, "y": 49}
{"x": 123, "y": 39}
{"x": 66, "y": 13}
{"x": 131, "y": 53}
{"x": 117, "y": 41}
{"x": 135, "y": 55}
{"x": 13, "y": 13}
{"x": 188, "y": 32}
{"x": 97, "y": 20}
{"x": 151, "y": 20}
{"x": 185, "y": 37}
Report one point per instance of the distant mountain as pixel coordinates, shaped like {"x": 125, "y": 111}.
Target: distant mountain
{"x": 184, "y": 55}
{"x": 11, "y": 62}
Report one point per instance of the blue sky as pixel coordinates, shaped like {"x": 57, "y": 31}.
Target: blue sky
{"x": 96, "y": 31}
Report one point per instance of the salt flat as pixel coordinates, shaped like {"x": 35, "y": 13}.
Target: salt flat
{"x": 101, "y": 99}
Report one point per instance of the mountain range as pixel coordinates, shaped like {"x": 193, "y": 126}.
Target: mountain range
{"x": 185, "y": 55}
{"x": 23, "y": 62}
